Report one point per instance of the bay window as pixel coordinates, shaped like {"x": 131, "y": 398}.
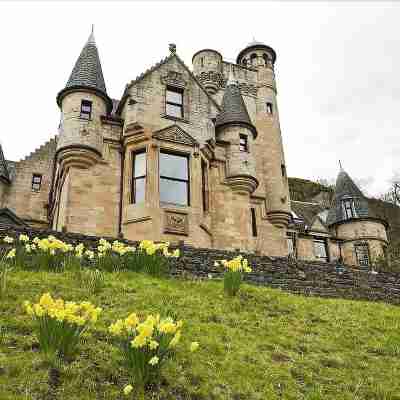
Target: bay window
{"x": 138, "y": 177}
{"x": 174, "y": 178}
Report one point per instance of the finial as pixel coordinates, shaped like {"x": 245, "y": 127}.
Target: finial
{"x": 172, "y": 48}
{"x": 91, "y": 37}
{"x": 340, "y": 165}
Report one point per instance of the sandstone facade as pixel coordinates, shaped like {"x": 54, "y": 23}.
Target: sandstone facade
{"x": 184, "y": 155}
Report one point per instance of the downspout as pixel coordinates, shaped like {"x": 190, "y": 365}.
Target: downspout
{"x": 121, "y": 188}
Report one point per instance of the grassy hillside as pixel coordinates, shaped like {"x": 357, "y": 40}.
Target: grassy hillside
{"x": 264, "y": 344}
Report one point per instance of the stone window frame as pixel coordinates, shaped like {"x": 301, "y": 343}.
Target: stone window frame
{"x": 36, "y": 183}
{"x": 243, "y": 146}
{"x": 205, "y": 189}
{"x": 181, "y": 91}
{"x": 367, "y": 256}
{"x": 350, "y": 206}
{"x": 175, "y": 152}
{"x": 319, "y": 240}
{"x": 291, "y": 236}
{"x": 134, "y": 153}
{"x": 83, "y": 114}
{"x": 175, "y": 81}
{"x": 253, "y": 219}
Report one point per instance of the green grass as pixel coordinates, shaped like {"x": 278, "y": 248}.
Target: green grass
{"x": 263, "y": 344}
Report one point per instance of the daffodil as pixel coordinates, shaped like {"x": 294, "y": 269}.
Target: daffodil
{"x": 127, "y": 389}
{"x": 154, "y": 360}
{"x": 194, "y": 346}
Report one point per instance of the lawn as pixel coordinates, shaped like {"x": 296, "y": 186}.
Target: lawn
{"x": 263, "y": 344}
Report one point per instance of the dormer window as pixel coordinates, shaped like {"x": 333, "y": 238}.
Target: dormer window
{"x": 243, "y": 144}
{"x": 86, "y": 109}
{"x": 174, "y": 102}
{"x": 348, "y": 208}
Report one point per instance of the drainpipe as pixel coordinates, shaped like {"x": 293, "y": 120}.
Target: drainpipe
{"x": 121, "y": 189}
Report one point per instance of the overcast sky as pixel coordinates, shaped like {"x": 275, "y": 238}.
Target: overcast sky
{"x": 338, "y": 70}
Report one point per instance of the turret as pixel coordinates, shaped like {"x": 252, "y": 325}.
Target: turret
{"x": 233, "y": 125}
{"x": 207, "y": 67}
{"x": 82, "y": 102}
{"x": 259, "y": 56}
{"x": 363, "y": 235}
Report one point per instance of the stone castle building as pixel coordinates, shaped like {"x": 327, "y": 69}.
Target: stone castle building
{"x": 185, "y": 154}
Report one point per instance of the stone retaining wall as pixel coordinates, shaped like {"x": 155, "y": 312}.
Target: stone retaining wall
{"x": 301, "y": 277}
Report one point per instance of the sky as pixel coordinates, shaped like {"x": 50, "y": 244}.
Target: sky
{"x": 337, "y": 70}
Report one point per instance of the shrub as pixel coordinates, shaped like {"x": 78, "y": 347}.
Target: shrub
{"x": 233, "y": 275}
{"x": 145, "y": 346}
{"x": 59, "y": 325}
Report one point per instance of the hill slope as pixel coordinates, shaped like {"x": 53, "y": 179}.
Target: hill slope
{"x": 264, "y": 344}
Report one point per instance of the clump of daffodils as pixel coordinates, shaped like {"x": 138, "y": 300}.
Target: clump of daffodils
{"x": 146, "y": 344}
{"x": 233, "y": 275}
{"x": 60, "y": 323}
{"x": 151, "y": 248}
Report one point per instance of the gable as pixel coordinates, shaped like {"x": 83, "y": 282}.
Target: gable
{"x": 177, "y": 64}
{"x": 175, "y": 134}
{"x": 8, "y": 217}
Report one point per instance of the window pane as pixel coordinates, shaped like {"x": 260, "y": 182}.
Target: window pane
{"x": 139, "y": 169}
{"x": 173, "y": 111}
{"x": 140, "y": 190}
{"x": 85, "y": 115}
{"x": 173, "y": 166}
{"x": 173, "y": 192}
{"x": 362, "y": 255}
{"x": 320, "y": 249}
{"x": 174, "y": 97}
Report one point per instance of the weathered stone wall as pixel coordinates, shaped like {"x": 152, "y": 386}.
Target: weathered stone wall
{"x": 302, "y": 277}
{"x": 19, "y": 196}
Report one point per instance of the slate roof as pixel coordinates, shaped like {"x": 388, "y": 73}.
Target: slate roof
{"x": 306, "y": 213}
{"x": 4, "y": 173}
{"x": 346, "y": 188}
{"x": 233, "y": 108}
{"x": 87, "y": 73}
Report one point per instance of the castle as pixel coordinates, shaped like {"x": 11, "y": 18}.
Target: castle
{"x": 193, "y": 155}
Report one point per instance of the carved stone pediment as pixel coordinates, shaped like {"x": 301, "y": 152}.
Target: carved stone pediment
{"x": 175, "y": 134}
{"x": 174, "y": 78}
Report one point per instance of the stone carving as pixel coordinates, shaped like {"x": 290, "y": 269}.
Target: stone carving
{"x": 217, "y": 79}
{"x": 177, "y": 223}
{"x": 175, "y": 134}
{"x": 174, "y": 78}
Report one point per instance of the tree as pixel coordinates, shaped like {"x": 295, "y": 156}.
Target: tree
{"x": 393, "y": 194}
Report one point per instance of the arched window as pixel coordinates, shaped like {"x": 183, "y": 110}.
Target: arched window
{"x": 267, "y": 61}
{"x": 253, "y": 59}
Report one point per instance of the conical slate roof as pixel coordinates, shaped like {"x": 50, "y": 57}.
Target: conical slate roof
{"x": 3, "y": 166}
{"x": 87, "y": 74}
{"x": 233, "y": 109}
{"x": 346, "y": 189}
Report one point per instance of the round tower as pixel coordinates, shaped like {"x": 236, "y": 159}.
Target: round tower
{"x": 259, "y": 56}
{"x": 233, "y": 125}
{"x": 82, "y": 102}
{"x": 207, "y": 67}
{"x": 363, "y": 235}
